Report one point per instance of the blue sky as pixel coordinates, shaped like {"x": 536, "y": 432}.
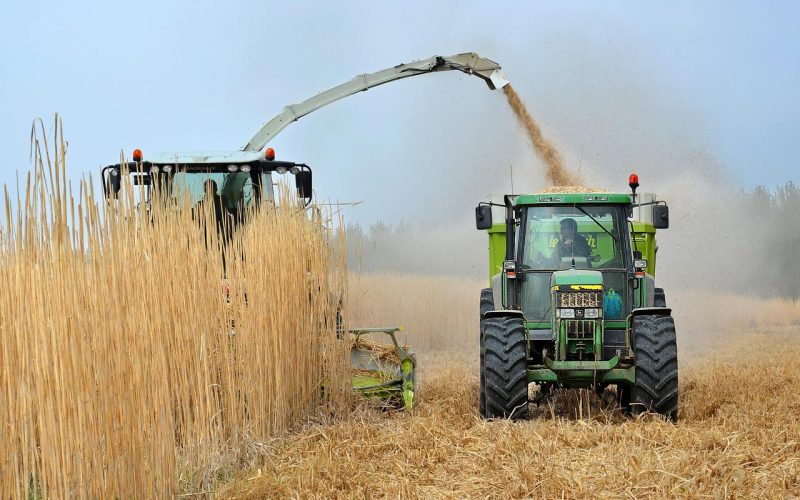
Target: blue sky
{"x": 657, "y": 88}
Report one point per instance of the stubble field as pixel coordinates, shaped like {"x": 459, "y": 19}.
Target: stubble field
{"x": 738, "y": 434}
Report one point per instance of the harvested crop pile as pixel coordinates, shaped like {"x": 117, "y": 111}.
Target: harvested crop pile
{"x": 571, "y": 189}
{"x": 739, "y": 435}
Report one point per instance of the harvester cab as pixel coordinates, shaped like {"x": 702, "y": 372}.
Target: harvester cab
{"x": 573, "y": 301}
{"x": 243, "y": 179}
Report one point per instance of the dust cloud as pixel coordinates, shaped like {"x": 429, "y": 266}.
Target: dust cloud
{"x": 721, "y": 259}
{"x": 556, "y": 172}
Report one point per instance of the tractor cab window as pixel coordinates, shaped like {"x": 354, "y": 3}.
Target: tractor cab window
{"x": 589, "y": 236}
{"x": 554, "y": 236}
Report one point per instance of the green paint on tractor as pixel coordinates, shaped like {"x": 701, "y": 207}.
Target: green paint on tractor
{"x": 576, "y": 275}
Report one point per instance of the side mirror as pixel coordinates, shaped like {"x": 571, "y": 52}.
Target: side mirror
{"x": 302, "y": 180}
{"x": 114, "y": 180}
{"x": 483, "y": 217}
{"x": 660, "y": 216}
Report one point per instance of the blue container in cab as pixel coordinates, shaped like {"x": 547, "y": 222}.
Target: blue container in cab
{"x": 612, "y": 305}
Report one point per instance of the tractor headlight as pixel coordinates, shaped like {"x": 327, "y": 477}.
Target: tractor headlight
{"x": 566, "y": 313}
{"x": 591, "y": 313}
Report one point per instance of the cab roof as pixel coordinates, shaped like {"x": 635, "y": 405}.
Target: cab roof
{"x": 570, "y": 198}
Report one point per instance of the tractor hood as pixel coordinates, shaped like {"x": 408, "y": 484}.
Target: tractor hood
{"x": 576, "y": 277}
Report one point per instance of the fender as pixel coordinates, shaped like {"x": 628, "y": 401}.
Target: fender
{"x": 504, "y": 312}
{"x": 655, "y": 311}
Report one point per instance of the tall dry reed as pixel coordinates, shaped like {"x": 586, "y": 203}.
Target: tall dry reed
{"x": 439, "y": 313}
{"x": 131, "y": 363}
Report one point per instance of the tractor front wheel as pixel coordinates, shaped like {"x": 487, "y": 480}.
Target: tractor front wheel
{"x": 486, "y": 305}
{"x": 656, "y": 361}
{"x": 505, "y": 367}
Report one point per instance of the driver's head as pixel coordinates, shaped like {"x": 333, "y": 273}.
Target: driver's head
{"x": 210, "y": 188}
{"x": 568, "y": 228}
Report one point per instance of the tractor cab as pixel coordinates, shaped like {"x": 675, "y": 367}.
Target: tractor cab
{"x": 579, "y": 236}
{"x": 573, "y": 295}
{"x": 239, "y": 179}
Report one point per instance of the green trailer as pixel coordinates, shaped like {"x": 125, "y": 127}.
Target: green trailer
{"x": 572, "y": 301}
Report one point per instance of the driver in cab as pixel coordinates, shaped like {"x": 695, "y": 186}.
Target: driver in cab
{"x": 570, "y": 244}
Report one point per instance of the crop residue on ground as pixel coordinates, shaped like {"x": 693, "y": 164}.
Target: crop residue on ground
{"x": 727, "y": 443}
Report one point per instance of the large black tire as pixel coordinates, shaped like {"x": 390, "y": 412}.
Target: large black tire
{"x": 660, "y": 298}
{"x": 505, "y": 367}
{"x": 486, "y": 305}
{"x": 656, "y": 362}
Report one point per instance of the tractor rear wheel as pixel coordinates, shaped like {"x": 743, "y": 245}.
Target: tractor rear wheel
{"x": 656, "y": 361}
{"x": 505, "y": 357}
{"x": 487, "y": 304}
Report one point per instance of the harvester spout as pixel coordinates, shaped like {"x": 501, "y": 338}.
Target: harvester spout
{"x": 473, "y": 64}
{"x": 469, "y": 63}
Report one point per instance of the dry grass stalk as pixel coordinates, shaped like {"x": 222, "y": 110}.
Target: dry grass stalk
{"x": 120, "y": 374}
{"x": 379, "y": 350}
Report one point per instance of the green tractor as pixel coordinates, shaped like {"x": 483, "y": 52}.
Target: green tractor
{"x": 573, "y": 302}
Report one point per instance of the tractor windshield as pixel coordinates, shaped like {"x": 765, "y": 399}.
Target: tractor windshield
{"x": 586, "y": 236}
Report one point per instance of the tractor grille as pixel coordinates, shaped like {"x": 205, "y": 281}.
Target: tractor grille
{"x": 580, "y": 299}
{"x": 580, "y": 329}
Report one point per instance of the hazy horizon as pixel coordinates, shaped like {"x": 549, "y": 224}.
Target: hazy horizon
{"x": 661, "y": 90}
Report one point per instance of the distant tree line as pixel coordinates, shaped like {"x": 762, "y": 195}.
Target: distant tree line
{"x": 772, "y": 227}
